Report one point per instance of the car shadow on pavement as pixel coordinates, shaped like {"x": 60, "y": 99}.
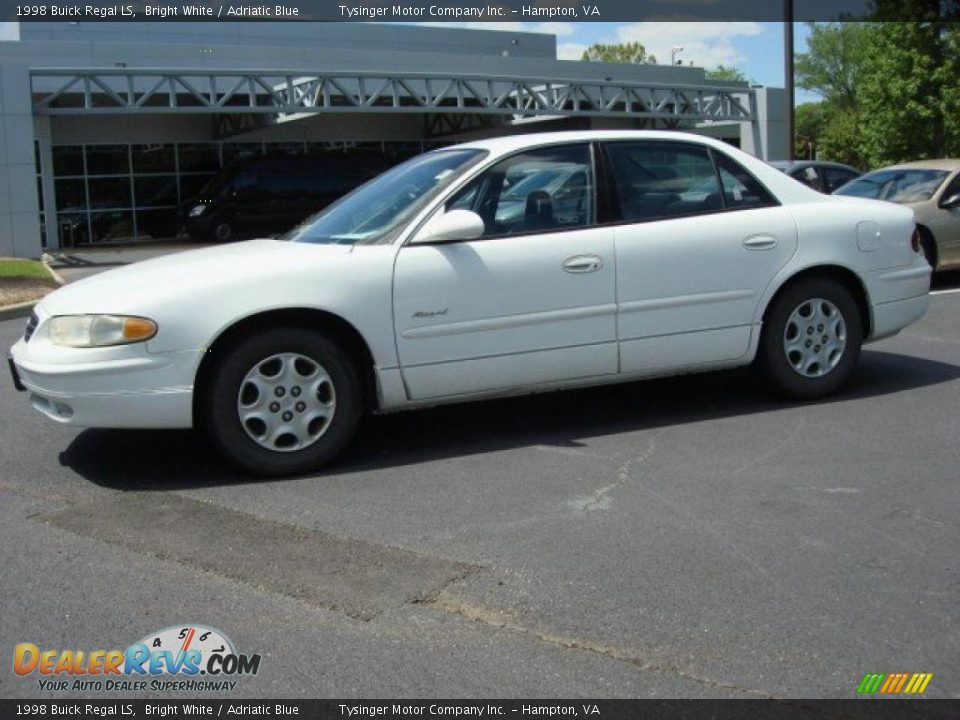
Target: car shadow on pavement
{"x": 160, "y": 460}
{"x": 947, "y": 280}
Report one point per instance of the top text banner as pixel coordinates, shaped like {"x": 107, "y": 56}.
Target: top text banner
{"x": 470, "y": 11}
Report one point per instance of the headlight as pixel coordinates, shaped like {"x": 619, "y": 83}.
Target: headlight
{"x": 198, "y": 210}
{"x": 100, "y": 330}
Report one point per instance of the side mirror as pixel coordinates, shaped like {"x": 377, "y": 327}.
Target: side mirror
{"x": 451, "y": 226}
{"x": 951, "y": 202}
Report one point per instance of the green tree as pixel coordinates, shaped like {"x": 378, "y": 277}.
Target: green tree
{"x": 833, "y": 67}
{"x": 835, "y": 62}
{"x": 631, "y": 53}
{"x": 889, "y": 90}
{"x": 909, "y": 96}
{"x": 809, "y": 126}
{"x": 722, "y": 72}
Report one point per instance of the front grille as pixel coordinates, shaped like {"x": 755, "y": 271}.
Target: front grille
{"x": 31, "y": 326}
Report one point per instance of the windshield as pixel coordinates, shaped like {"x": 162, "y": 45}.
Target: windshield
{"x": 371, "y": 213}
{"x": 900, "y": 186}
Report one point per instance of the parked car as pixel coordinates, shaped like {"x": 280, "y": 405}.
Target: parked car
{"x": 932, "y": 189}
{"x": 269, "y": 195}
{"x": 823, "y": 177}
{"x": 416, "y": 289}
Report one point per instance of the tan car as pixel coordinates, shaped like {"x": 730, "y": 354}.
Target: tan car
{"x": 932, "y": 189}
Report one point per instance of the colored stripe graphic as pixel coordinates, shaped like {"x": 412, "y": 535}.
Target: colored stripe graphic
{"x": 870, "y": 683}
{"x": 926, "y": 678}
{"x": 889, "y": 682}
{"x": 894, "y": 683}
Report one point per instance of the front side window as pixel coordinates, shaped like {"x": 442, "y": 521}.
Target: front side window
{"x": 655, "y": 180}
{"x": 952, "y": 189}
{"x": 376, "y": 211}
{"x": 544, "y": 189}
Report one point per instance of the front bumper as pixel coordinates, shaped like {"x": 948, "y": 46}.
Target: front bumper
{"x": 197, "y": 228}
{"x": 116, "y": 387}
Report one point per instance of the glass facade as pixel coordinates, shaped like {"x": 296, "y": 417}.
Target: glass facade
{"x": 123, "y": 192}
{"x": 38, "y": 164}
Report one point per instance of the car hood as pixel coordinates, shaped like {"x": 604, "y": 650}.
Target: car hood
{"x": 153, "y": 283}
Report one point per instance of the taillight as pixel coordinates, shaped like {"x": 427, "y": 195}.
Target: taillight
{"x": 915, "y": 240}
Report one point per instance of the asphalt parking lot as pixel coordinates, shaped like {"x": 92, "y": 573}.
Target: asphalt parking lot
{"x": 687, "y": 537}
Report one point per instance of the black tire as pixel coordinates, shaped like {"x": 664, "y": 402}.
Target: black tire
{"x": 772, "y": 355}
{"x": 220, "y": 411}
{"x": 221, "y": 230}
{"x": 929, "y": 247}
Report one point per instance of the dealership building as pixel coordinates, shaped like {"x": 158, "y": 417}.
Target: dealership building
{"x": 107, "y": 128}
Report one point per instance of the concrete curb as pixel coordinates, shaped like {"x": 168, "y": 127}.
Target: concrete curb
{"x": 20, "y": 310}
{"x": 56, "y": 276}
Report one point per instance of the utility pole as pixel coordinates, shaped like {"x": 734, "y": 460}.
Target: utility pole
{"x": 788, "y": 72}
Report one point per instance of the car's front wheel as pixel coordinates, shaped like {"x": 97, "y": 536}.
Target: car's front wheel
{"x": 221, "y": 231}
{"x": 811, "y": 338}
{"x": 282, "y": 402}
{"x": 929, "y": 246}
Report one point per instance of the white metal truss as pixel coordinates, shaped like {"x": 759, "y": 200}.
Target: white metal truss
{"x": 288, "y": 94}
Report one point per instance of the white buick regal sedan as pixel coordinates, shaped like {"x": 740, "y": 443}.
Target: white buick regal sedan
{"x": 504, "y": 266}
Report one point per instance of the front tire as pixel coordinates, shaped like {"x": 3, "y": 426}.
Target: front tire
{"x": 283, "y": 402}
{"x": 929, "y": 247}
{"x": 221, "y": 231}
{"x": 811, "y": 339}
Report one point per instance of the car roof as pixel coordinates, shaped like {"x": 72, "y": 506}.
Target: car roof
{"x": 941, "y": 164}
{"x": 510, "y": 143}
{"x": 794, "y": 164}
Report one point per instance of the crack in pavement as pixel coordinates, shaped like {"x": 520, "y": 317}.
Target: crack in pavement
{"x": 600, "y": 498}
{"x": 496, "y": 620}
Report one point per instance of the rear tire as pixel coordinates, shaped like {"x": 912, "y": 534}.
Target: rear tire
{"x": 929, "y": 246}
{"x": 283, "y": 402}
{"x": 811, "y": 339}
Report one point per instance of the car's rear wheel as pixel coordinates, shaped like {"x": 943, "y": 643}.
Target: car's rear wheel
{"x": 283, "y": 402}
{"x": 811, "y": 338}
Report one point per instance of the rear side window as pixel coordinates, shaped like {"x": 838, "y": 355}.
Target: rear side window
{"x": 809, "y": 176}
{"x": 741, "y": 190}
{"x": 836, "y": 177}
{"x": 656, "y": 180}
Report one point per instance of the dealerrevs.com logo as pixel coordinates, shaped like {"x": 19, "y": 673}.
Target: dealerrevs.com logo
{"x": 190, "y": 658}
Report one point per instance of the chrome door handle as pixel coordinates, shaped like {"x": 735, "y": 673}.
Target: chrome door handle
{"x": 760, "y": 242}
{"x": 583, "y": 263}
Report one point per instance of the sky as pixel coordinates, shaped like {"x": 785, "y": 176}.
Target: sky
{"x": 753, "y": 47}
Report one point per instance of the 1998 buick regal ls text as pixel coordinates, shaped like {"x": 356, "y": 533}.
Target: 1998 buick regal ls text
{"x": 502, "y": 266}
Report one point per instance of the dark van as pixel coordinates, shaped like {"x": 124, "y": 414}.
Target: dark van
{"x": 265, "y": 196}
